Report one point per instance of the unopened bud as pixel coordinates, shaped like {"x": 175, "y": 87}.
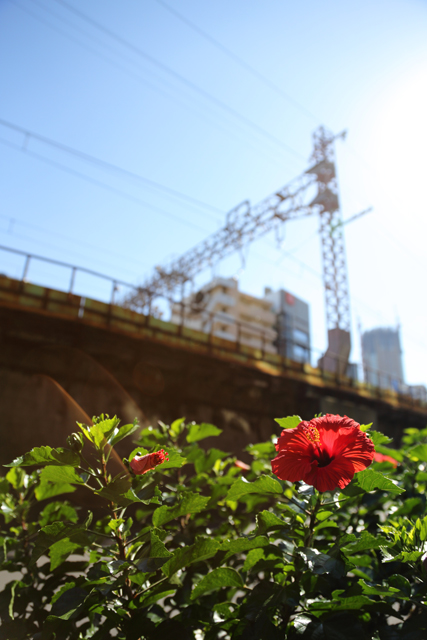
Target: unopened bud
{"x": 75, "y": 442}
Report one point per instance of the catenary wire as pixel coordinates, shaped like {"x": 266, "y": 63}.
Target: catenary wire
{"x": 227, "y": 126}
{"x": 107, "y": 165}
{"x": 237, "y": 59}
{"x": 168, "y": 70}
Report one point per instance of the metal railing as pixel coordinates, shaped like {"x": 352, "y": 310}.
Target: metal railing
{"x": 32, "y": 257}
{"x": 261, "y": 341}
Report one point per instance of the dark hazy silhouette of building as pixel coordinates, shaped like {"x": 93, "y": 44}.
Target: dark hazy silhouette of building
{"x": 292, "y": 325}
{"x": 382, "y": 358}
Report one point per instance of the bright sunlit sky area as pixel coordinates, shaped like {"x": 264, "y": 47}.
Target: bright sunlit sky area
{"x": 217, "y": 101}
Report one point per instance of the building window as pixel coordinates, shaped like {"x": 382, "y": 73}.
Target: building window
{"x": 300, "y": 336}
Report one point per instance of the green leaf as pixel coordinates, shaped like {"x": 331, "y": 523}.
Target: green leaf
{"x": 378, "y": 438}
{"x": 16, "y": 477}
{"x": 176, "y": 427}
{"x": 150, "y": 565}
{"x": 176, "y": 461}
{"x": 419, "y": 452}
{"x": 369, "y": 480}
{"x": 262, "y": 450}
{"x": 401, "y": 583}
{"x": 364, "y": 542}
{"x": 244, "y": 544}
{"x": 52, "y": 533}
{"x": 263, "y": 484}
{"x": 49, "y": 490}
{"x": 267, "y": 521}
{"x": 123, "y": 432}
{"x": 158, "y": 549}
{"x": 191, "y": 503}
{"x": 394, "y": 453}
{"x": 323, "y": 515}
{"x": 342, "y": 604}
{"x": 65, "y": 475}
{"x": 60, "y": 551}
{"x": 201, "y": 431}
{"x": 378, "y": 590}
{"x": 206, "y": 462}
{"x": 115, "y": 491}
{"x": 202, "y": 550}
{"x": 217, "y": 579}
{"x": 288, "y": 423}
{"x": 321, "y": 563}
{"x": 68, "y": 604}
{"x": 47, "y": 455}
{"x": 254, "y": 556}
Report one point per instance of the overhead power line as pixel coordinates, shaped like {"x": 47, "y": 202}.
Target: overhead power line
{"x": 242, "y": 63}
{"x": 168, "y": 70}
{"x": 215, "y": 117}
{"x": 107, "y": 165}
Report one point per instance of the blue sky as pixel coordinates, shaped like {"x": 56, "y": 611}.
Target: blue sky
{"x": 139, "y": 101}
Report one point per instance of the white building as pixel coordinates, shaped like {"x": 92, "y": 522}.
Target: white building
{"x": 221, "y": 309}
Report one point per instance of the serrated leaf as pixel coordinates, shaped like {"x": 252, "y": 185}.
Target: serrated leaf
{"x": 52, "y": 533}
{"x": 191, "y": 503}
{"x": 182, "y": 557}
{"x": 262, "y": 450}
{"x": 288, "y": 423}
{"x": 321, "y": 563}
{"x": 116, "y": 489}
{"x": 364, "y": 542}
{"x": 176, "y": 461}
{"x": 379, "y": 590}
{"x": 177, "y": 427}
{"x": 201, "y": 431}
{"x": 68, "y": 604}
{"x": 267, "y": 521}
{"x": 217, "y": 579}
{"x": 49, "y": 490}
{"x": 150, "y": 565}
{"x": 123, "y": 432}
{"x": 419, "y": 452}
{"x": 378, "y": 438}
{"x": 342, "y": 604}
{"x": 401, "y": 583}
{"x": 368, "y": 480}
{"x": 206, "y": 461}
{"x": 263, "y": 484}
{"x": 47, "y": 455}
{"x": 65, "y": 474}
{"x": 60, "y": 551}
{"x": 254, "y": 556}
{"x": 244, "y": 544}
{"x": 158, "y": 549}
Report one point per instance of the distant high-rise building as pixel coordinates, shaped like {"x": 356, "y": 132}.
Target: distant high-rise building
{"x": 292, "y": 324}
{"x": 382, "y": 358}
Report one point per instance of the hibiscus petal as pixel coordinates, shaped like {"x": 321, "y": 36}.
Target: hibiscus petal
{"x": 336, "y": 474}
{"x": 356, "y": 447}
{"x": 291, "y": 467}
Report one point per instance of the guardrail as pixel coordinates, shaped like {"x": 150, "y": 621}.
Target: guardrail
{"x": 263, "y": 341}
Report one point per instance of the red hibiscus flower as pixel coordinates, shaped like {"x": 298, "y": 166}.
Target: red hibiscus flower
{"x": 381, "y": 457}
{"x": 142, "y": 464}
{"x": 325, "y": 452}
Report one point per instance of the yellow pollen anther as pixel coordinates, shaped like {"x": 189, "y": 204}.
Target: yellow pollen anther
{"x": 312, "y": 434}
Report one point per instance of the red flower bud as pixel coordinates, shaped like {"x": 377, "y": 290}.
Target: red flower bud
{"x": 381, "y": 457}
{"x": 242, "y": 465}
{"x": 142, "y": 464}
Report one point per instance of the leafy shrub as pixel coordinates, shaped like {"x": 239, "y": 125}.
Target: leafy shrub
{"x": 201, "y": 547}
